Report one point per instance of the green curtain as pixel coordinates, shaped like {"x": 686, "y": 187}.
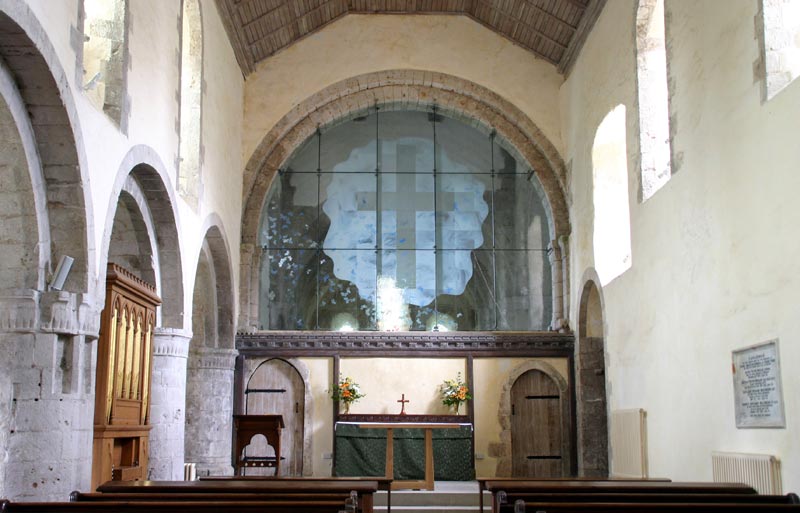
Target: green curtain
{"x": 362, "y": 452}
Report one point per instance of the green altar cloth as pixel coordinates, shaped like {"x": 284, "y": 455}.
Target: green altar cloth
{"x": 362, "y": 452}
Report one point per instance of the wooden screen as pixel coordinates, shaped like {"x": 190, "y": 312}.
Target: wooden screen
{"x": 122, "y": 390}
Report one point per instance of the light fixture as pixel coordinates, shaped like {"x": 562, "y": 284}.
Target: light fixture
{"x": 61, "y": 273}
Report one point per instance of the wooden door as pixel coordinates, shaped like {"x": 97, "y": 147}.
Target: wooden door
{"x": 536, "y": 432}
{"x": 276, "y": 388}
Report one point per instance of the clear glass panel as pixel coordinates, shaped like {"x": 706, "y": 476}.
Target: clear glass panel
{"x": 524, "y": 290}
{"x": 349, "y": 208}
{"x": 289, "y": 289}
{"x": 406, "y": 142}
{"x": 505, "y": 161}
{"x": 464, "y": 202}
{"x": 520, "y": 216}
{"x": 306, "y": 159}
{"x": 347, "y": 286}
{"x": 290, "y": 217}
{"x": 406, "y": 278}
{"x": 461, "y": 148}
{"x": 466, "y": 302}
{"x": 350, "y": 146}
{"x": 407, "y": 218}
{"x": 397, "y": 281}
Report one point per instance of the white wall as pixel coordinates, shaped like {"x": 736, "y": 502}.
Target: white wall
{"x": 714, "y": 253}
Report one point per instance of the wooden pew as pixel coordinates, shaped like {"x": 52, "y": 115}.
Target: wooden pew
{"x": 631, "y": 507}
{"x": 695, "y": 498}
{"x": 276, "y": 487}
{"x": 207, "y": 506}
{"x": 482, "y": 481}
{"x": 384, "y": 483}
{"x": 504, "y": 490}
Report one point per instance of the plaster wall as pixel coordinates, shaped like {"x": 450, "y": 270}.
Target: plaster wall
{"x": 384, "y": 379}
{"x": 358, "y": 44}
{"x": 714, "y": 265}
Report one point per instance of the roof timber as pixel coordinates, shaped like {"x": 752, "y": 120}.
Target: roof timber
{"x": 553, "y": 30}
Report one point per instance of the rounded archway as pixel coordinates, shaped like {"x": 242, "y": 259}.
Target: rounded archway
{"x": 592, "y": 408}
{"x": 404, "y": 89}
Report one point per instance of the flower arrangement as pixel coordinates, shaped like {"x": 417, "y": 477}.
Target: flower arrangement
{"x": 454, "y": 392}
{"x": 346, "y": 392}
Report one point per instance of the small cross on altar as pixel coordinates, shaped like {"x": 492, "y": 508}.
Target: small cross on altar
{"x": 403, "y": 401}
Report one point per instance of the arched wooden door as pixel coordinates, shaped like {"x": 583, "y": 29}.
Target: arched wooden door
{"x": 277, "y": 388}
{"x": 536, "y": 427}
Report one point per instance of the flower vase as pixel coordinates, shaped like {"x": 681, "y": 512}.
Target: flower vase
{"x": 455, "y": 407}
{"x": 346, "y": 408}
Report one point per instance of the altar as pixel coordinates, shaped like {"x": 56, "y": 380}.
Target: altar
{"x": 420, "y": 452}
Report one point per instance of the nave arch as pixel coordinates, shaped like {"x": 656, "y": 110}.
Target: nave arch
{"x": 414, "y": 90}
{"x": 141, "y": 235}
{"x": 46, "y": 336}
{"x": 211, "y": 356}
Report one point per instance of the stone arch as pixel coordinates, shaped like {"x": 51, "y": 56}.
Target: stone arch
{"x": 215, "y": 251}
{"x": 590, "y": 377}
{"x": 26, "y": 229}
{"x": 190, "y": 183}
{"x": 504, "y": 411}
{"x": 45, "y": 194}
{"x": 31, "y": 61}
{"x": 408, "y": 89}
{"x": 142, "y": 170}
{"x": 252, "y": 365}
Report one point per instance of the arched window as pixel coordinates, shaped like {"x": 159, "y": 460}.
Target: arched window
{"x": 653, "y": 95}
{"x": 778, "y": 36}
{"x": 104, "y": 56}
{"x": 189, "y": 177}
{"x": 405, "y": 220}
{"x": 612, "y": 218}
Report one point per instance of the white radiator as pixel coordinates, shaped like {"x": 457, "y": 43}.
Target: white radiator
{"x": 190, "y": 472}
{"x": 629, "y": 443}
{"x": 761, "y": 471}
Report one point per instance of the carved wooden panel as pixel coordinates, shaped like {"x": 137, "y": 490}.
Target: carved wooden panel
{"x": 124, "y": 366}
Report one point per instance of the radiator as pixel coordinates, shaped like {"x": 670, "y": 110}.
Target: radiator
{"x": 761, "y": 471}
{"x": 190, "y": 472}
{"x": 629, "y": 443}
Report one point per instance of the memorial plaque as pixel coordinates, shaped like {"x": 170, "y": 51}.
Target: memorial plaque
{"x": 757, "y": 387}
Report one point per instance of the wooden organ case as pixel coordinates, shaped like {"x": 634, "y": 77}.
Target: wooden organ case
{"x": 122, "y": 390}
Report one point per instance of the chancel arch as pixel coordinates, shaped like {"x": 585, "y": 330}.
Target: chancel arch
{"x": 208, "y": 403}
{"x": 410, "y": 91}
{"x": 590, "y": 376}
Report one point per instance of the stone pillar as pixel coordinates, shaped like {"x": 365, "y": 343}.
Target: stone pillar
{"x": 168, "y": 403}
{"x": 46, "y": 395}
{"x": 209, "y": 410}
{"x": 563, "y": 244}
{"x": 554, "y": 252}
{"x": 592, "y": 409}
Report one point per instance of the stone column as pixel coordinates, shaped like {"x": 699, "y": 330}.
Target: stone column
{"x": 209, "y": 410}
{"x": 168, "y": 403}
{"x": 46, "y": 394}
{"x": 554, "y": 252}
